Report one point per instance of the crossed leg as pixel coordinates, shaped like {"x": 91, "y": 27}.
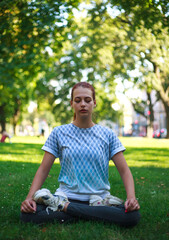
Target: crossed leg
{"x": 81, "y": 210}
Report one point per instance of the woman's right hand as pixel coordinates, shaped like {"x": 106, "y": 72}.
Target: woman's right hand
{"x": 28, "y": 206}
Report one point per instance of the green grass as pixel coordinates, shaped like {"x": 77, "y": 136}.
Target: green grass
{"x": 149, "y": 162}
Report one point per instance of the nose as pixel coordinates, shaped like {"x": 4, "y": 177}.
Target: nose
{"x": 82, "y": 103}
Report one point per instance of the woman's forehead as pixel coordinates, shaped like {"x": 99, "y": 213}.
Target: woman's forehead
{"x": 82, "y": 92}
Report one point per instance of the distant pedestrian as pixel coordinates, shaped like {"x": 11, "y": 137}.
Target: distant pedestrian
{"x": 42, "y": 132}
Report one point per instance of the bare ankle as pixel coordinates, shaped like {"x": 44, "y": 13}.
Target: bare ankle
{"x": 65, "y": 207}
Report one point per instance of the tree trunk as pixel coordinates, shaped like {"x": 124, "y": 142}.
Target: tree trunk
{"x": 151, "y": 111}
{"x": 167, "y": 117}
{"x": 168, "y": 126}
{"x": 165, "y": 102}
{"x": 2, "y": 119}
{"x": 15, "y": 120}
{"x": 166, "y": 107}
{"x": 14, "y": 128}
{"x": 3, "y": 125}
{"x": 16, "y": 115}
{"x": 149, "y": 115}
{"x": 163, "y": 94}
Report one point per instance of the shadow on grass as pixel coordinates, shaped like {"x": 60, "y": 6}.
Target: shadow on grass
{"x": 28, "y": 148}
{"x": 20, "y": 148}
{"x": 147, "y": 151}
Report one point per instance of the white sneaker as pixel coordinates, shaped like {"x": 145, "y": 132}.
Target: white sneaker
{"x": 112, "y": 200}
{"x": 95, "y": 200}
{"x": 54, "y": 202}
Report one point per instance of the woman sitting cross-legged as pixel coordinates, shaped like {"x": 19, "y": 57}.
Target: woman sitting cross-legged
{"x": 84, "y": 150}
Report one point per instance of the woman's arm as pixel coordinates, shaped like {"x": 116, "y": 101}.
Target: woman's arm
{"x": 29, "y": 204}
{"x": 131, "y": 203}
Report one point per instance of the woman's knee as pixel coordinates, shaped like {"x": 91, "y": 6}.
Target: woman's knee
{"x": 34, "y": 217}
{"x": 132, "y": 219}
{"x": 25, "y": 217}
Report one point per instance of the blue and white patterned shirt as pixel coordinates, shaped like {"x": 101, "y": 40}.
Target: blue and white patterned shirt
{"x": 84, "y": 155}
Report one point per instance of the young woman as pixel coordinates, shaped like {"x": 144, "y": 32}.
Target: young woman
{"x": 84, "y": 149}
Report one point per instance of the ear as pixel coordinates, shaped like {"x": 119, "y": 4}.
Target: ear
{"x": 94, "y": 103}
{"x": 71, "y": 103}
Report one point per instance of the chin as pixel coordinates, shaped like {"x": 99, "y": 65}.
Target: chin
{"x": 84, "y": 116}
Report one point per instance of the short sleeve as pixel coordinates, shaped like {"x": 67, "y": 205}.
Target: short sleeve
{"x": 51, "y": 144}
{"x": 115, "y": 145}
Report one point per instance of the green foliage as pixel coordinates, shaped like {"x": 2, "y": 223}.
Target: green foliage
{"x": 44, "y": 41}
{"x": 27, "y": 28}
{"x": 85, "y": 59}
{"x": 105, "y": 97}
{"x": 148, "y": 11}
{"x": 122, "y": 47}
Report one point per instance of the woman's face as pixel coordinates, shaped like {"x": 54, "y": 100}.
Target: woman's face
{"x": 83, "y": 102}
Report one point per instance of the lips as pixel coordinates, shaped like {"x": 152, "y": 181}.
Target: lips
{"x": 83, "y": 111}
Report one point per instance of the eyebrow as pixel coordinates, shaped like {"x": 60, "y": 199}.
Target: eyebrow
{"x": 84, "y": 97}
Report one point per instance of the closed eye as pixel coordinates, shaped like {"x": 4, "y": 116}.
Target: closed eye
{"x": 87, "y": 100}
{"x": 77, "y": 100}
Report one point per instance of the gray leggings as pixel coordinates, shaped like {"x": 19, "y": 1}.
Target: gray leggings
{"x": 81, "y": 210}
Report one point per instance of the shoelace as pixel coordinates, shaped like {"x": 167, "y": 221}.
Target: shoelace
{"x": 53, "y": 204}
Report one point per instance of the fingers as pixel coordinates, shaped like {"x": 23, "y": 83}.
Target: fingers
{"x": 131, "y": 205}
{"x": 28, "y": 206}
{"x": 34, "y": 205}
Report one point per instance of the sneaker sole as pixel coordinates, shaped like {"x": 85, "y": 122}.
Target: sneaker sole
{"x": 40, "y": 194}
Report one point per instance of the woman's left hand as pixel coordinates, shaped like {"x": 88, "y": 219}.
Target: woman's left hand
{"x": 131, "y": 204}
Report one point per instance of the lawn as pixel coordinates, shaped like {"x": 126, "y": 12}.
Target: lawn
{"x": 149, "y": 162}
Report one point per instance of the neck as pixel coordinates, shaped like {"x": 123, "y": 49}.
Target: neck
{"x": 83, "y": 123}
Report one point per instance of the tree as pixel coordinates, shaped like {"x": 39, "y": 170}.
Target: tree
{"x": 59, "y": 101}
{"x": 126, "y": 45}
{"x": 121, "y": 48}
{"x": 28, "y": 29}
{"x": 150, "y": 55}
{"x": 144, "y": 12}
{"x": 148, "y": 22}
